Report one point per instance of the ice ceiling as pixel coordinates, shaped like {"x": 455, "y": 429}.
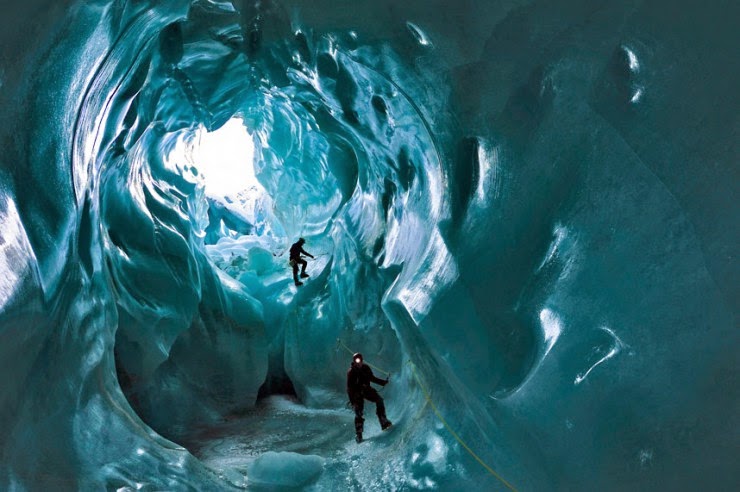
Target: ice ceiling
{"x": 525, "y": 212}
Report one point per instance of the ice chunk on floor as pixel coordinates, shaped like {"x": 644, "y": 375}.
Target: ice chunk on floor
{"x": 285, "y": 469}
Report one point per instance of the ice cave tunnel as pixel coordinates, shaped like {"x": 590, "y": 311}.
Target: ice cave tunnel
{"x": 522, "y": 210}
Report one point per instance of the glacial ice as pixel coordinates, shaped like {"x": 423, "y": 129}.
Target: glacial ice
{"x": 522, "y": 211}
{"x": 285, "y": 469}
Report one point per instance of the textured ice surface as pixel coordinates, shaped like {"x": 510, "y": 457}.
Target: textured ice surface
{"x": 531, "y": 203}
{"x": 285, "y": 469}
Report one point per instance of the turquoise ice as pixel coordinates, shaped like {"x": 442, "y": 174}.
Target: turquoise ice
{"x": 524, "y": 211}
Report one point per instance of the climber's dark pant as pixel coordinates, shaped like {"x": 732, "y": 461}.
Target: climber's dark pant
{"x": 359, "y": 405}
{"x": 294, "y": 263}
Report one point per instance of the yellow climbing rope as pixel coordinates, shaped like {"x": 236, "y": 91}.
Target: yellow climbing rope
{"x": 454, "y": 434}
{"x": 441, "y": 419}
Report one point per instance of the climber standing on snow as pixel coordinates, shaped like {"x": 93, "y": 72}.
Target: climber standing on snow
{"x": 359, "y": 378}
{"x": 295, "y": 259}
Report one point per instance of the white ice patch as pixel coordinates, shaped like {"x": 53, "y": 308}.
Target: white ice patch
{"x": 551, "y": 328}
{"x": 634, "y": 67}
{"x": 418, "y": 34}
{"x": 16, "y": 255}
{"x": 488, "y": 158}
{"x": 222, "y": 5}
{"x": 285, "y": 469}
{"x": 645, "y": 456}
{"x": 137, "y": 486}
{"x": 562, "y": 249}
{"x": 634, "y": 63}
{"x": 560, "y": 233}
{"x": 436, "y": 271}
{"x": 615, "y": 348}
{"x": 435, "y": 187}
{"x": 364, "y": 218}
{"x": 437, "y": 455}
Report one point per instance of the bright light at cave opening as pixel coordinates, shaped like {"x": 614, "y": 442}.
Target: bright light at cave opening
{"x": 225, "y": 159}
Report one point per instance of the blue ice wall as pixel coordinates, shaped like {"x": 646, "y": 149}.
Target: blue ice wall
{"x": 524, "y": 210}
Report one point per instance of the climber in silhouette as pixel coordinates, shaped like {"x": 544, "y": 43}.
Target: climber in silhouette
{"x": 359, "y": 378}
{"x": 295, "y": 259}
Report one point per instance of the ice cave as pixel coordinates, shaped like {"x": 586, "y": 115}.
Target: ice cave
{"x": 520, "y": 211}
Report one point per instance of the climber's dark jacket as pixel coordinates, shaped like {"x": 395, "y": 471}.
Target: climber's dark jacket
{"x": 359, "y": 379}
{"x": 296, "y": 251}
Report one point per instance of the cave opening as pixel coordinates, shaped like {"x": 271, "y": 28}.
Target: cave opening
{"x": 212, "y": 156}
{"x": 226, "y": 176}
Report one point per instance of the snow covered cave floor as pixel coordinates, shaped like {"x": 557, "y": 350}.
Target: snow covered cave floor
{"x": 310, "y": 449}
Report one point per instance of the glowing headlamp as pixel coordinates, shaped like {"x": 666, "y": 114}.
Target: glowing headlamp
{"x": 358, "y": 360}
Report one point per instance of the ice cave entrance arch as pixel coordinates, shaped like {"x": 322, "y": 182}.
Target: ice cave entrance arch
{"x": 225, "y": 158}
{"x": 222, "y": 162}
